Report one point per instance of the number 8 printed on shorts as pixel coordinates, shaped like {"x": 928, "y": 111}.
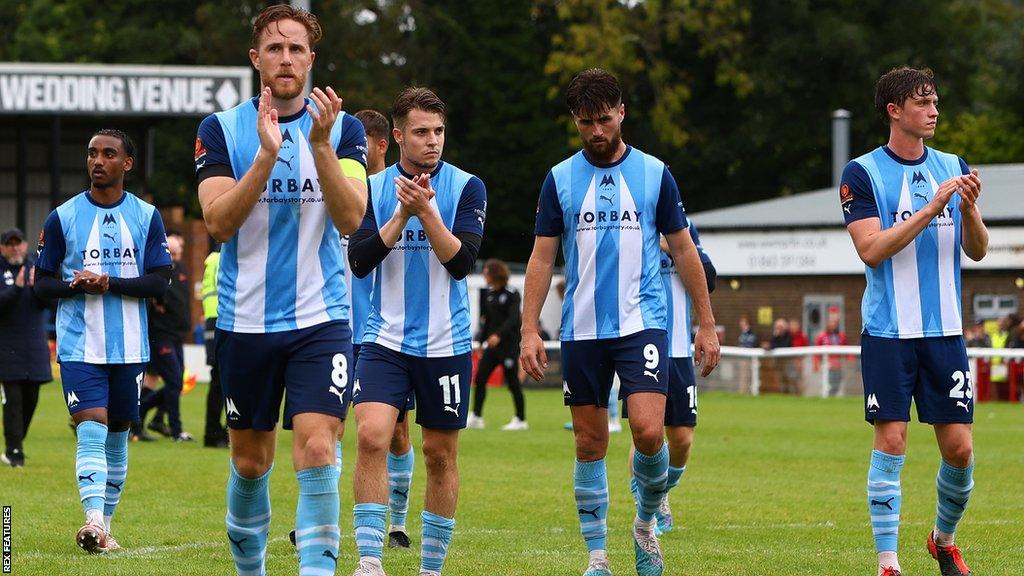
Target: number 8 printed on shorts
{"x": 339, "y": 376}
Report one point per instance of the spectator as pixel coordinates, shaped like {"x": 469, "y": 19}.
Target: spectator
{"x": 1001, "y": 339}
{"x": 833, "y": 336}
{"x": 747, "y": 337}
{"x": 789, "y": 373}
{"x": 169, "y": 322}
{"x": 215, "y": 434}
{"x": 797, "y": 336}
{"x": 24, "y": 351}
{"x": 977, "y": 337}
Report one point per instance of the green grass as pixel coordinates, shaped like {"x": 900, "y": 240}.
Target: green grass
{"x": 775, "y": 486}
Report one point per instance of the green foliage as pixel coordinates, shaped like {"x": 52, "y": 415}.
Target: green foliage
{"x": 735, "y": 95}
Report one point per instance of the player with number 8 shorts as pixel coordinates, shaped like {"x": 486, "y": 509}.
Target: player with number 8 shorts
{"x": 281, "y": 177}
{"x": 910, "y": 210}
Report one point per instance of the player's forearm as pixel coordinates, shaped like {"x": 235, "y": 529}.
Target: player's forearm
{"x": 224, "y": 213}
{"x": 445, "y": 244}
{"x": 391, "y": 231}
{"x": 535, "y": 291}
{"x": 345, "y": 197}
{"x": 974, "y": 235}
{"x": 884, "y": 244}
{"x": 48, "y": 286}
{"x": 691, "y": 272}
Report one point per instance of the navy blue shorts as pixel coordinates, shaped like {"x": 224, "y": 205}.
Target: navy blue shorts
{"x": 313, "y": 365}
{"x": 410, "y": 402}
{"x": 167, "y": 360}
{"x": 588, "y": 366}
{"x": 440, "y": 385}
{"x": 681, "y": 400}
{"x": 115, "y": 387}
{"x": 933, "y": 371}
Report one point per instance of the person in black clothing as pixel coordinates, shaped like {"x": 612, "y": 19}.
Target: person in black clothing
{"x": 169, "y": 322}
{"x": 499, "y": 329}
{"x": 24, "y": 352}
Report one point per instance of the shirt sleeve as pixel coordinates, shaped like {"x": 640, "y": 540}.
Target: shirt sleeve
{"x": 211, "y": 155}
{"x": 51, "y": 245}
{"x": 856, "y": 195}
{"x": 157, "y": 254}
{"x": 352, "y": 143}
{"x": 471, "y": 215}
{"x": 670, "y": 216}
{"x": 549, "y": 210}
{"x": 964, "y": 168}
{"x": 704, "y": 258}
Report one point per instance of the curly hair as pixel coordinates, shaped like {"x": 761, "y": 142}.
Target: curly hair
{"x": 900, "y": 83}
{"x": 593, "y": 91}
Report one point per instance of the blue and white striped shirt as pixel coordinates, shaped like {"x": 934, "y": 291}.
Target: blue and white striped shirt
{"x": 124, "y": 240}
{"x": 916, "y": 293}
{"x": 359, "y": 292}
{"x": 610, "y": 218}
{"x": 417, "y": 308}
{"x": 284, "y": 268}
{"x": 679, "y": 305}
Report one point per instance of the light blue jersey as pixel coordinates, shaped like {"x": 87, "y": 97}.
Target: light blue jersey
{"x": 679, "y": 305}
{"x": 359, "y": 292}
{"x": 123, "y": 240}
{"x": 417, "y": 307}
{"x": 283, "y": 269}
{"x": 916, "y": 293}
{"x": 610, "y": 218}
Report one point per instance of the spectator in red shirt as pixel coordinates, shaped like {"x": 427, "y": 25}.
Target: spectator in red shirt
{"x": 833, "y": 336}
{"x": 797, "y": 336}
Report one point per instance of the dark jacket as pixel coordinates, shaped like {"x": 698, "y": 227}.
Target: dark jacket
{"x": 24, "y": 351}
{"x": 500, "y": 314}
{"x": 170, "y": 317}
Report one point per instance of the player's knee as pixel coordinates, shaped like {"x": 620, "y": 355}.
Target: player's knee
{"x": 318, "y": 451}
{"x": 371, "y": 440}
{"x": 400, "y": 441}
{"x": 439, "y": 460}
{"x": 648, "y": 439}
{"x": 958, "y": 455}
{"x": 590, "y": 447}
{"x": 251, "y": 467}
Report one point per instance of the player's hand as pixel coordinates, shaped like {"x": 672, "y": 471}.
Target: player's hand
{"x": 324, "y": 109}
{"x": 945, "y": 193}
{"x": 493, "y": 340}
{"x": 414, "y": 194}
{"x": 22, "y": 277}
{"x": 90, "y": 282}
{"x": 706, "y": 350}
{"x": 969, "y": 190}
{"x": 532, "y": 356}
{"x": 266, "y": 124}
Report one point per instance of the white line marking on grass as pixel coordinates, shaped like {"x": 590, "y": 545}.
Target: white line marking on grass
{"x": 145, "y": 551}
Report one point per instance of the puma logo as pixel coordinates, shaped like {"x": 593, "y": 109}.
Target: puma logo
{"x": 593, "y": 512}
{"x": 339, "y": 393}
{"x": 115, "y": 486}
{"x": 400, "y": 493}
{"x": 287, "y": 162}
{"x": 89, "y": 477}
{"x": 111, "y": 236}
{"x": 452, "y": 410}
{"x": 237, "y": 543}
{"x": 921, "y": 196}
{"x": 963, "y": 405}
{"x": 961, "y": 505}
{"x": 607, "y": 198}
{"x": 886, "y": 503}
{"x": 329, "y": 554}
{"x": 652, "y": 374}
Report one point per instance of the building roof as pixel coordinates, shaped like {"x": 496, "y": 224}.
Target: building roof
{"x": 1002, "y": 201}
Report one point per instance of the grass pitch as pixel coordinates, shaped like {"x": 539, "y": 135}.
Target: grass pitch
{"x": 775, "y": 486}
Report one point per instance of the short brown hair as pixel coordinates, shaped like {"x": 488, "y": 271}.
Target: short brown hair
{"x": 415, "y": 98}
{"x": 900, "y": 83}
{"x": 375, "y": 124}
{"x": 498, "y": 271}
{"x": 279, "y": 12}
{"x": 593, "y": 91}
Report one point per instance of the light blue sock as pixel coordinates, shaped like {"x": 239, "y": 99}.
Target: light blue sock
{"x": 437, "y": 535}
{"x": 884, "y": 499}
{"x": 399, "y": 480}
{"x": 248, "y": 521}
{"x": 651, "y": 474}
{"x": 316, "y": 520}
{"x": 368, "y": 526}
{"x": 954, "y": 486}
{"x": 590, "y": 481}
{"x": 117, "y": 471}
{"x": 91, "y": 467}
{"x": 674, "y": 475}
{"x": 338, "y": 461}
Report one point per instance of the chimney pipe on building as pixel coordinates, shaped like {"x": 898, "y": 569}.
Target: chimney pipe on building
{"x": 840, "y": 144}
